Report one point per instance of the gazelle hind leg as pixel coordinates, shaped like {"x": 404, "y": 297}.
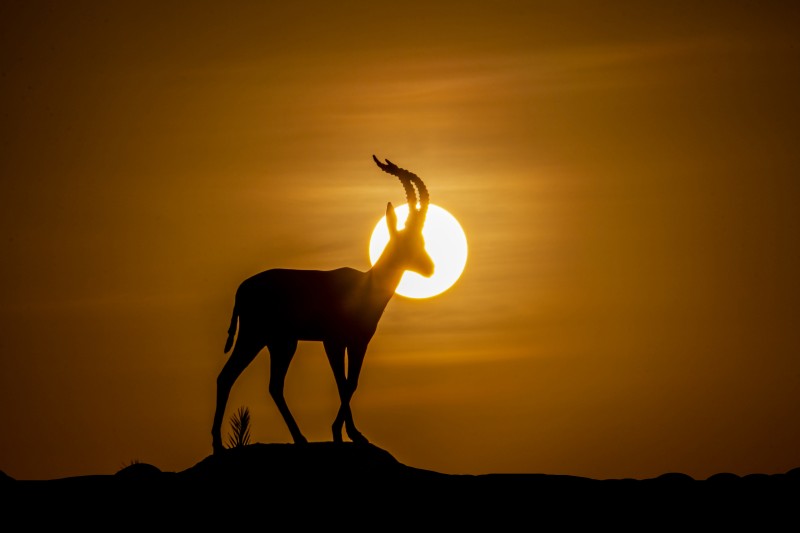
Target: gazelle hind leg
{"x": 243, "y": 354}
{"x": 280, "y": 355}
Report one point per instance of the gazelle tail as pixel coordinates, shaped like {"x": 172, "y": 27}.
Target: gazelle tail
{"x": 232, "y": 329}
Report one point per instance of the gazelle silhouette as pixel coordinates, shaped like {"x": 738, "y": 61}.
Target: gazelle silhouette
{"x": 341, "y": 308}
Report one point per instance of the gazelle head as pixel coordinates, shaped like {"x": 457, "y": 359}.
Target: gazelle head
{"x": 406, "y": 247}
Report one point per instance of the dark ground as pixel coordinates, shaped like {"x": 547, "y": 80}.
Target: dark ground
{"x": 366, "y": 487}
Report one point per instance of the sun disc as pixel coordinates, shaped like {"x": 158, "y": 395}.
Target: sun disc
{"x": 445, "y": 242}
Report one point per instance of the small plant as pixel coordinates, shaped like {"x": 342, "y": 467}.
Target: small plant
{"x": 240, "y": 424}
{"x": 138, "y": 469}
{"x": 131, "y": 463}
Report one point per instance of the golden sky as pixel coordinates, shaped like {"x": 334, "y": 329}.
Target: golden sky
{"x": 628, "y": 176}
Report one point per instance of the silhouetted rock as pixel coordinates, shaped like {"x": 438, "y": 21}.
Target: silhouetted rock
{"x": 314, "y": 461}
{"x": 139, "y": 471}
{"x": 675, "y": 477}
{"x": 724, "y": 477}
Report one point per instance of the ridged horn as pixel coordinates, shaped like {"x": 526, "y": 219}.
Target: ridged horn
{"x": 407, "y": 178}
{"x": 394, "y": 170}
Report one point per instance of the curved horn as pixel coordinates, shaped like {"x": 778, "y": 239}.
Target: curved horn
{"x": 407, "y": 178}
{"x": 394, "y": 170}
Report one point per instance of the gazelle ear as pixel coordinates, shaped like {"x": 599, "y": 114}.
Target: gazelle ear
{"x": 391, "y": 219}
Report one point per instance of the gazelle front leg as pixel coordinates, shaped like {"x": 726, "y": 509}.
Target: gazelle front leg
{"x": 335, "y": 353}
{"x": 355, "y": 358}
{"x": 346, "y": 384}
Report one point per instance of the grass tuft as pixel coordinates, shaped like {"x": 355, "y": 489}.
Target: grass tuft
{"x": 240, "y": 424}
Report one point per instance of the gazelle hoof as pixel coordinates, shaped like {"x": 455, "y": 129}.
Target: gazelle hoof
{"x": 358, "y": 438}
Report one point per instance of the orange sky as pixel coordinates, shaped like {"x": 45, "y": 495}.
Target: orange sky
{"x": 627, "y": 177}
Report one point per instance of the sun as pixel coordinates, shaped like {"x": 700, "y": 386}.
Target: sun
{"x": 445, "y": 242}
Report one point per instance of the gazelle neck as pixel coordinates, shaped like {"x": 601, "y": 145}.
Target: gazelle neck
{"x": 386, "y": 273}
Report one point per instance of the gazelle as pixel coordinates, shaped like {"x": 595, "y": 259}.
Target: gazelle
{"x": 341, "y": 308}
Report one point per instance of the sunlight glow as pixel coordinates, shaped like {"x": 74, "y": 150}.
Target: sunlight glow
{"x": 445, "y": 242}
